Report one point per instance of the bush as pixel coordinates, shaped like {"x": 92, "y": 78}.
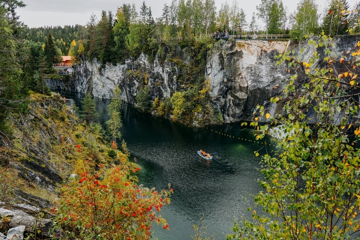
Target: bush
{"x": 112, "y": 153}
{"x": 78, "y": 135}
{"x": 108, "y": 205}
{"x": 142, "y": 99}
{"x": 7, "y": 182}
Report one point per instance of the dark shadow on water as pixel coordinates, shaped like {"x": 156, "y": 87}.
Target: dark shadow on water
{"x": 165, "y": 151}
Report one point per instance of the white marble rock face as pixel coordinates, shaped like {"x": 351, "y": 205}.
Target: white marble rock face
{"x": 242, "y": 74}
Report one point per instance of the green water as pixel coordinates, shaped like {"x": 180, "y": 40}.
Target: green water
{"x": 166, "y": 152}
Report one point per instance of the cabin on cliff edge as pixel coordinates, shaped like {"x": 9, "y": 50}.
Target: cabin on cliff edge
{"x": 66, "y": 61}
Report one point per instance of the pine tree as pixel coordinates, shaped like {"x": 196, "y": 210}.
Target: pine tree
{"x": 121, "y": 30}
{"x": 198, "y": 16}
{"x": 143, "y": 13}
{"x": 10, "y": 7}
{"x": 101, "y": 39}
{"x": 142, "y": 99}
{"x": 10, "y": 85}
{"x": 33, "y": 69}
{"x": 134, "y": 39}
{"x": 166, "y": 15}
{"x": 109, "y": 51}
{"x": 126, "y": 10}
{"x": 91, "y": 26}
{"x": 88, "y": 112}
{"x": 51, "y": 54}
{"x": 114, "y": 123}
{"x": 253, "y": 25}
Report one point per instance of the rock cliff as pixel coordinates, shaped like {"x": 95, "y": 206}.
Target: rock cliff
{"x": 242, "y": 74}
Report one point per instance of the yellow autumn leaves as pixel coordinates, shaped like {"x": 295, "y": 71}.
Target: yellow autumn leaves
{"x": 357, "y": 131}
{"x": 267, "y": 116}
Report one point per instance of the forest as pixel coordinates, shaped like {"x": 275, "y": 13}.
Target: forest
{"x": 126, "y": 32}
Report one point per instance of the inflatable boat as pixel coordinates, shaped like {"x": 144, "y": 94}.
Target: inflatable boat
{"x": 204, "y": 157}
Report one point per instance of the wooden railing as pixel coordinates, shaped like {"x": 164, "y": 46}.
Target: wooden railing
{"x": 244, "y": 36}
{"x": 261, "y": 36}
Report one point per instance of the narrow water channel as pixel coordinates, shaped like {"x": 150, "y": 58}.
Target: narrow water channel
{"x": 220, "y": 193}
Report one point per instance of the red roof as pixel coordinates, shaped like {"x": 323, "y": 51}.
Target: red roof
{"x": 66, "y": 58}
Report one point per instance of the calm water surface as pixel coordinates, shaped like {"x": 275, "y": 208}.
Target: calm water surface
{"x": 166, "y": 152}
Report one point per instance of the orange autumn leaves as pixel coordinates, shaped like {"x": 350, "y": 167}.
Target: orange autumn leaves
{"x": 109, "y": 204}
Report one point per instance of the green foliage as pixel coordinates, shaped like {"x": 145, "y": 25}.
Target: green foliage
{"x": 78, "y": 135}
{"x": 51, "y": 53}
{"x": 88, "y": 112}
{"x": 134, "y": 40}
{"x": 296, "y": 34}
{"x": 156, "y": 104}
{"x": 108, "y": 204}
{"x": 112, "y": 153}
{"x": 11, "y": 93}
{"x": 177, "y": 102}
{"x": 311, "y": 185}
{"x": 218, "y": 116}
{"x": 306, "y": 19}
{"x": 114, "y": 123}
{"x": 336, "y": 20}
{"x": 121, "y": 30}
{"x": 142, "y": 99}
{"x": 63, "y": 36}
{"x": 272, "y": 12}
{"x": 7, "y": 183}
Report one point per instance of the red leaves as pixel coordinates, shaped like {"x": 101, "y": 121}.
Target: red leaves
{"x": 111, "y": 191}
{"x": 137, "y": 169}
{"x": 53, "y": 210}
{"x": 78, "y": 147}
{"x": 166, "y": 226}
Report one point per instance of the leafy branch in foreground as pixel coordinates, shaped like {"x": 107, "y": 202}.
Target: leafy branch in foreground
{"x": 312, "y": 184}
{"x": 108, "y": 204}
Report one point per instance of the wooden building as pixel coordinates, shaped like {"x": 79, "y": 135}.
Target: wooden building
{"x": 66, "y": 61}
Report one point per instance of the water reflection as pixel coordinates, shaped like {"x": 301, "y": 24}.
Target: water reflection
{"x": 165, "y": 151}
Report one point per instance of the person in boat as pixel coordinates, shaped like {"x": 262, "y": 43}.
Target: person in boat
{"x": 208, "y": 155}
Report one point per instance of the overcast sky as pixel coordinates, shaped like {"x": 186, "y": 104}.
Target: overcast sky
{"x": 39, "y": 13}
